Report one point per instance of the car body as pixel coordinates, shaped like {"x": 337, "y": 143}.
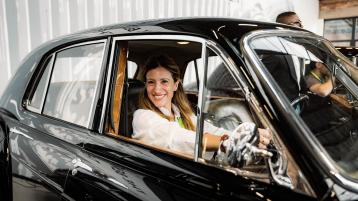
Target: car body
{"x": 65, "y": 118}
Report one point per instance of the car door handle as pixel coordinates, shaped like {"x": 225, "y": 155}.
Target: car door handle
{"x": 77, "y": 163}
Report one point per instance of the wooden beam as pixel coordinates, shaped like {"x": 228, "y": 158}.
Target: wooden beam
{"x": 329, "y": 9}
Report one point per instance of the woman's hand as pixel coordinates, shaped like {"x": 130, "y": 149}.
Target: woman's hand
{"x": 265, "y": 137}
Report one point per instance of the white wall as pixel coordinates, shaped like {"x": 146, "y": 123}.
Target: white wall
{"x": 308, "y": 11}
{"x": 25, "y": 24}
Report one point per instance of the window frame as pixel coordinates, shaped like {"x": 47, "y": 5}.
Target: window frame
{"x": 190, "y": 38}
{"x": 51, "y": 56}
{"x": 316, "y": 150}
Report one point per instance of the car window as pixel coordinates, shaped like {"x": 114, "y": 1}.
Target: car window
{"x": 39, "y": 95}
{"x": 73, "y": 79}
{"x": 192, "y": 77}
{"x": 225, "y": 106}
{"x": 322, "y": 89}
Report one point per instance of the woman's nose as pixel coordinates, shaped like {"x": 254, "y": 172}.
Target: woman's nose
{"x": 157, "y": 86}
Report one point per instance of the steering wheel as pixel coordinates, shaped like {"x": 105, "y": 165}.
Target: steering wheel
{"x": 299, "y": 99}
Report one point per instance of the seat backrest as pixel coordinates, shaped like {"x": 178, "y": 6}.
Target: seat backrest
{"x": 130, "y": 104}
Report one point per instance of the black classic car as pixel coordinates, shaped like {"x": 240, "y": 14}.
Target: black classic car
{"x": 66, "y": 116}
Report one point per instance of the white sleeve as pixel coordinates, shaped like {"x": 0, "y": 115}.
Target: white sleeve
{"x": 152, "y": 129}
{"x": 208, "y": 127}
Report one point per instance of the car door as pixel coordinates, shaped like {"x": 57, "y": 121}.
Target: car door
{"x": 39, "y": 161}
{"x": 54, "y": 124}
{"x": 113, "y": 166}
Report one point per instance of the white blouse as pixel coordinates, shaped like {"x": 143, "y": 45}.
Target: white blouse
{"x": 150, "y": 128}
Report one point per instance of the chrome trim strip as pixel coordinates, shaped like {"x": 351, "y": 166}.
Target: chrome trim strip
{"x": 106, "y": 92}
{"x": 96, "y": 95}
{"x": 160, "y": 37}
{"x": 100, "y": 80}
{"x": 202, "y": 87}
{"x": 311, "y": 143}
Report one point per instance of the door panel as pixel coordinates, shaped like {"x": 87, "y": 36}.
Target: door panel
{"x": 39, "y": 163}
{"x": 120, "y": 170}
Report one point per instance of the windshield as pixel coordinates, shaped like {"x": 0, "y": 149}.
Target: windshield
{"x": 321, "y": 85}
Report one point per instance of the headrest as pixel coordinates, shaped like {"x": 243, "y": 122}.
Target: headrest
{"x": 135, "y": 87}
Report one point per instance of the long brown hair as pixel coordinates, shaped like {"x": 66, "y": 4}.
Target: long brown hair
{"x": 179, "y": 98}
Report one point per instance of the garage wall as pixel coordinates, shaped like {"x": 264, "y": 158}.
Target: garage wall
{"x": 25, "y": 24}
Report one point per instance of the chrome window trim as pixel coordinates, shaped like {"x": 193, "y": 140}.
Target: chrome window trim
{"x": 106, "y": 49}
{"x": 53, "y": 60}
{"x": 95, "y": 94}
{"x": 202, "y": 92}
{"x": 311, "y": 143}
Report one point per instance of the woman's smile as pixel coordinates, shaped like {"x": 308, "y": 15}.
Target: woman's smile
{"x": 158, "y": 96}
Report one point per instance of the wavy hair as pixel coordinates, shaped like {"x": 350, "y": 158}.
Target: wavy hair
{"x": 179, "y": 98}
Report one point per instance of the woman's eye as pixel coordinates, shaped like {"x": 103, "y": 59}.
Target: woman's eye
{"x": 165, "y": 81}
{"x": 150, "y": 82}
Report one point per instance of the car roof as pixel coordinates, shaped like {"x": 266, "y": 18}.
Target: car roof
{"x": 195, "y": 26}
{"x": 206, "y": 27}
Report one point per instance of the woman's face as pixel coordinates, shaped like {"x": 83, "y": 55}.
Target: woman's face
{"x": 160, "y": 87}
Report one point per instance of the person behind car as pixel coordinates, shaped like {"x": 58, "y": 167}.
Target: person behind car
{"x": 166, "y": 119}
{"x": 282, "y": 67}
{"x": 319, "y": 80}
{"x": 290, "y": 18}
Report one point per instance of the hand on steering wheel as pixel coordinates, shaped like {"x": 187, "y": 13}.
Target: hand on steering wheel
{"x": 241, "y": 145}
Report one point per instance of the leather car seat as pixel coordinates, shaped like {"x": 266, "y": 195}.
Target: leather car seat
{"x": 132, "y": 93}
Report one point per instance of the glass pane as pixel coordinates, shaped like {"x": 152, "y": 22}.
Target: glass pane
{"x": 225, "y": 105}
{"x": 39, "y": 95}
{"x": 338, "y": 29}
{"x": 73, "y": 83}
{"x": 322, "y": 88}
{"x": 190, "y": 82}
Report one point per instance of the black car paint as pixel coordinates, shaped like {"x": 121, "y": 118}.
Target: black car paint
{"x": 149, "y": 174}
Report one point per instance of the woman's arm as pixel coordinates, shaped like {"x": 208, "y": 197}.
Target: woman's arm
{"x": 212, "y": 142}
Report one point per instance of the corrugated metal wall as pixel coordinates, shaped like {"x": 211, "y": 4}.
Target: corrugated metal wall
{"x": 25, "y": 24}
